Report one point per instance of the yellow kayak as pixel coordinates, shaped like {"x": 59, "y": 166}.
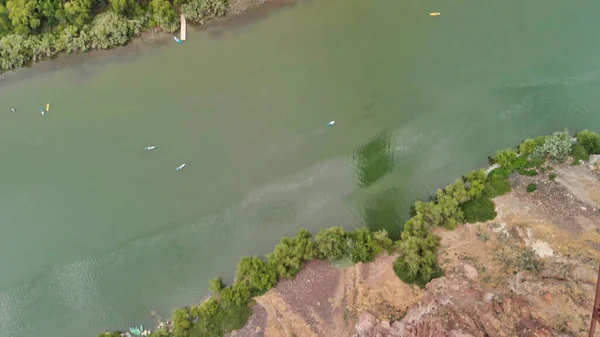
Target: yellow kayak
{"x": 47, "y": 106}
{"x": 435, "y": 14}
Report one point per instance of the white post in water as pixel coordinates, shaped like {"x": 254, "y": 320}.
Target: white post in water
{"x": 183, "y": 27}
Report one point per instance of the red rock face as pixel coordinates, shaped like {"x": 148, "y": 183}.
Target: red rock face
{"x": 456, "y": 309}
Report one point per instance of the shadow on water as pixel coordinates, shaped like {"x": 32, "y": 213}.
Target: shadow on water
{"x": 383, "y": 209}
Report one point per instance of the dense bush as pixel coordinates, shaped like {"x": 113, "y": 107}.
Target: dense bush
{"x": 496, "y": 186}
{"x": 479, "y": 210}
{"x": 590, "y": 141}
{"x": 531, "y": 188}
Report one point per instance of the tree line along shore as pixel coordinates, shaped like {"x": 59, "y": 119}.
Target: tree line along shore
{"x": 33, "y": 30}
{"x": 467, "y": 200}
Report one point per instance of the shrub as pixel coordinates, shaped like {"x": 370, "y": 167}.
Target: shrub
{"x": 223, "y": 321}
{"x": 505, "y": 157}
{"x": 259, "y": 275}
{"x": 162, "y": 332}
{"x": 290, "y": 255}
{"x": 200, "y": 11}
{"x": 476, "y": 181}
{"x": 528, "y": 173}
{"x": 181, "y": 323}
{"x": 15, "y": 51}
{"x": 111, "y": 334}
{"x": 364, "y": 247}
{"x": 578, "y": 152}
{"x": 208, "y": 308}
{"x": 527, "y": 147}
{"x": 331, "y": 243}
{"x": 552, "y": 176}
{"x": 479, "y": 210}
{"x": 382, "y": 237}
{"x": 519, "y": 163}
{"x": 236, "y": 295}
{"x": 531, "y": 188}
{"x": 216, "y": 285}
{"x": 417, "y": 262}
{"x": 164, "y": 15}
{"x": 503, "y": 172}
{"x": 590, "y": 141}
{"x": 557, "y": 147}
{"x": 496, "y": 186}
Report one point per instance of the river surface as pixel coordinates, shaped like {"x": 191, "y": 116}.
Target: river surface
{"x": 95, "y": 233}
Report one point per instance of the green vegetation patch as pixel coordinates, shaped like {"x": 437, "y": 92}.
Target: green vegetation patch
{"x": 531, "y": 188}
{"x": 479, "y": 210}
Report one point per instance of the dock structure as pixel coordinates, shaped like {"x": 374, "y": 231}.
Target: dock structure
{"x": 183, "y": 27}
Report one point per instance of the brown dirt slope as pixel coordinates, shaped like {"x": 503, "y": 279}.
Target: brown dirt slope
{"x": 529, "y": 272}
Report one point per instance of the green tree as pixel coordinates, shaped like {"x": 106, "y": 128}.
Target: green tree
{"x": 181, "y": 323}
{"x": 77, "y": 12}
{"x": 331, "y": 243}
{"x": 14, "y": 51}
{"x": 23, "y": 15}
{"x": 236, "y": 295}
{"x": 5, "y": 25}
{"x": 382, "y": 237}
{"x": 476, "y": 181}
{"x": 364, "y": 245}
{"x": 505, "y": 157}
{"x": 430, "y": 211}
{"x": 417, "y": 262}
{"x": 164, "y": 15}
{"x": 527, "y": 147}
{"x": 216, "y": 285}
{"x": 289, "y": 256}
{"x": 590, "y": 141}
{"x": 260, "y": 275}
{"x": 202, "y": 10}
{"x": 109, "y": 30}
{"x": 125, "y": 7}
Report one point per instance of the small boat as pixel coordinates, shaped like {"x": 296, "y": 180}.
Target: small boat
{"x": 331, "y": 123}
{"x": 176, "y": 39}
{"x": 435, "y": 14}
{"x": 180, "y": 167}
{"x": 151, "y": 147}
{"x": 13, "y": 110}
{"x": 47, "y": 106}
{"x": 43, "y": 111}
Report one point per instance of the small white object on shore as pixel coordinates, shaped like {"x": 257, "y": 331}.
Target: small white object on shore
{"x": 331, "y": 123}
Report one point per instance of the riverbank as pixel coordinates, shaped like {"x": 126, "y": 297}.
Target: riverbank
{"x": 530, "y": 271}
{"x": 111, "y": 29}
{"x": 525, "y": 219}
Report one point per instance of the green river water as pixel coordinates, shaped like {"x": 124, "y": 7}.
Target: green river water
{"x": 95, "y": 232}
